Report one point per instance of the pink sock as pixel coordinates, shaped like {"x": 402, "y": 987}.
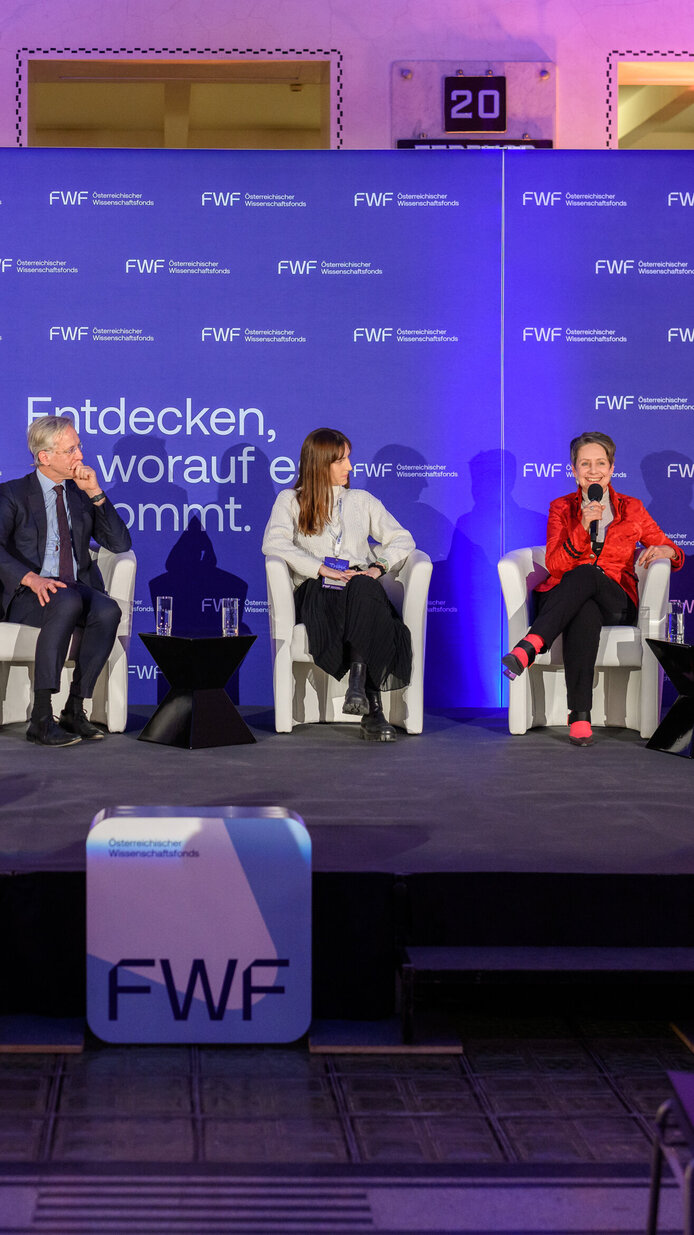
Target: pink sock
{"x": 520, "y": 653}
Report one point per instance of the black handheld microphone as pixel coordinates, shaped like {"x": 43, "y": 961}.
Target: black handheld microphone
{"x": 594, "y": 495}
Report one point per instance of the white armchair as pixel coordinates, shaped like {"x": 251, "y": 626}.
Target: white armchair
{"x": 18, "y": 648}
{"x": 305, "y": 694}
{"x": 628, "y": 680}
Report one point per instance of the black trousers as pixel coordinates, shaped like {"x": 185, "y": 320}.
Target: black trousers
{"x": 585, "y": 600}
{"x": 69, "y": 607}
{"x": 356, "y": 622}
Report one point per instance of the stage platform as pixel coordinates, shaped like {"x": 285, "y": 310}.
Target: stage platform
{"x": 463, "y": 796}
{"x": 463, "y": 835}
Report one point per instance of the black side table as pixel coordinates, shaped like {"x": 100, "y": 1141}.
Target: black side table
{"x": 676, "y": 730}
{"x": 197, "y": 712}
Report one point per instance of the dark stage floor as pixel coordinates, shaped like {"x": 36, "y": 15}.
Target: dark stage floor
{"x": 465, "y": 796}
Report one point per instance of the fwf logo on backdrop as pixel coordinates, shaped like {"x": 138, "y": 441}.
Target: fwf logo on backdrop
{"x": 220, "y": 334}
{"x": 543, "y": 469}
{"x": 614, "y": 402}
{"x": 68, "y": 197}
{"x": 534, "y": 198}
{"x": 144, "y": 265}
{"x": 379, "y": 198}
{"x": 542, "y": 334}
{"x": 614, "y": 265}
{"x": 299, "y": 265}
{"x": 373, "y": 334}
{"x": 220, "y": 199}
{"x": 68, "y": 334}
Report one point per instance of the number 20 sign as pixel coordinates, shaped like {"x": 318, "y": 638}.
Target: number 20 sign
{"x": 474, "y": 104}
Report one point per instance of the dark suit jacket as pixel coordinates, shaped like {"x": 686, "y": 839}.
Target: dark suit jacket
{"x": 23, "y": 533}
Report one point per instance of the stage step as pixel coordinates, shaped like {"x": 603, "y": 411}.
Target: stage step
{"x": 424, "y": 967}
{"x": 551, "y": 959}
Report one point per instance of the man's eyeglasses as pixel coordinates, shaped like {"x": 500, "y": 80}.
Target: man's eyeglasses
{"x": 71, "y": 450}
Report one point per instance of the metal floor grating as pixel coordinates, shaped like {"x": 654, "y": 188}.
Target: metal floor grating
{"x": 528, "y": 1095}
{"x": 541, "y": 1123}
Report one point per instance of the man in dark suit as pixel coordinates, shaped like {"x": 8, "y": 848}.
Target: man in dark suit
{"x": 48, "y": 579}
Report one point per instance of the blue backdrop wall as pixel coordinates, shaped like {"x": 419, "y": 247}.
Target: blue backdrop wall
{"x": 459, "y": 315}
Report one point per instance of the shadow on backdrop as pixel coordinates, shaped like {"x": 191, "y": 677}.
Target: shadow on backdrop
{"x": 400, "y": 490}
{"x": 128, "y": 486}
{"x": 255, "y": 494}
{"x": 466, "y": 619}
{"x": 197, "y": 586}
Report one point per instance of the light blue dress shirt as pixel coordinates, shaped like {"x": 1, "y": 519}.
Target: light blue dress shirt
{"x": 51, "y": 558}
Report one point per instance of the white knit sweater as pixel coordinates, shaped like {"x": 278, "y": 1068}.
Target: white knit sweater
{"x": 361, "y": 515}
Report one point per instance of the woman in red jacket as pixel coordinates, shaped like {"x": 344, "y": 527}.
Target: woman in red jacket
{"x": 591, "y": 547}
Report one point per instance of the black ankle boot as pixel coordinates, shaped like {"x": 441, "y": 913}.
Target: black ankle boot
{"x": 513, "y": 664}
{"x": 356, "y": 702}
{"x": 375, "y": 727}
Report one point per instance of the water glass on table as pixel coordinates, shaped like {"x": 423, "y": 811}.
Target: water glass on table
{"x": 164, "y": 614}
{"x": 230, "y": 616}
{"x": 675, "y": 622}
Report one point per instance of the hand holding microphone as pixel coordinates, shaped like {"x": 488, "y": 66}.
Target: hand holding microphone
{"x": 591, "y": 516}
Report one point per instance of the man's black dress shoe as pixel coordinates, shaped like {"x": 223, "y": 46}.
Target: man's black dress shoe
{"x": 77, "y": 723}
{"x": 45, "y": 732}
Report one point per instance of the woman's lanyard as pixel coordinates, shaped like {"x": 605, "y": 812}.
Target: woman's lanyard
{"x": 337, "y": 538}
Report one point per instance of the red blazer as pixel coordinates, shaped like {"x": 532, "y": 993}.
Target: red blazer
{"x": 568, "y": 542}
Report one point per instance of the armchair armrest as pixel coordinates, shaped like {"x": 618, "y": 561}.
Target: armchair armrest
{"x": 281, "y": 597}
{"x": 118, "y": 571}
{"x": 282, "y": 619}
{"x": 110, "y": 699}
{"x": 520, "y": 570}
{"x": 415, "y": 577}
{"x": 654, "y": 590}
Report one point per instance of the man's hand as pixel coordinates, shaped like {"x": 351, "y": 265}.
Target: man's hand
{"x": 85, "y": 478}
{"x": 41, "y": 586}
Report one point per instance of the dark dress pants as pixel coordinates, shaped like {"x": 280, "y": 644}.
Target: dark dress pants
{"x": 76, "y": 605}
{"x": 582, "y": 603}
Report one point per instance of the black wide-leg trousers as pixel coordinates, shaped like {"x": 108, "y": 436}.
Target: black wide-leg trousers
{"x": 69, "y": 607}
{"x": 584, "y": 601}
{"x": 356, "y": 622}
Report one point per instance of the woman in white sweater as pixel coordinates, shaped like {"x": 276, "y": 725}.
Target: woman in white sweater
{"x": 322, "y": 529}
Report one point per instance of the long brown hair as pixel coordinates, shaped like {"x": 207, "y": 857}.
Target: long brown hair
{"x": 313, "y": 488}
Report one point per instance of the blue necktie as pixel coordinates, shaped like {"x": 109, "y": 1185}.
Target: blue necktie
{"x": 65, "y": 569}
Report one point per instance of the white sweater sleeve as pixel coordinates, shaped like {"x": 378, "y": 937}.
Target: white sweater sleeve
{"x": 394, "y": 541}
{"x": 280, "y": 533}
